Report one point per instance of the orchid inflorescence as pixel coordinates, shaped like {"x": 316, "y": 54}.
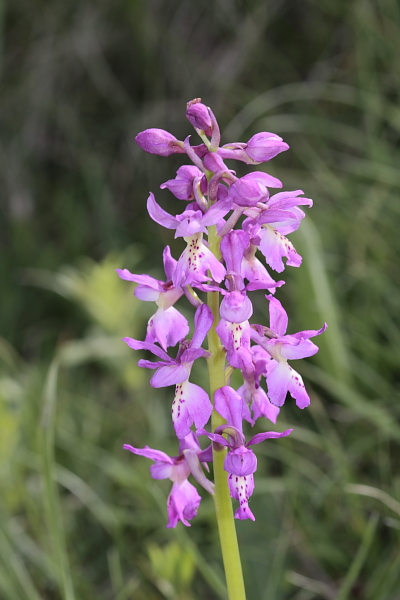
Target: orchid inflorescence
{"x": 217, "y": 202}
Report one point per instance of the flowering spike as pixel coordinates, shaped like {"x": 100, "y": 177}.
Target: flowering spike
{"x": 229, "y": 224}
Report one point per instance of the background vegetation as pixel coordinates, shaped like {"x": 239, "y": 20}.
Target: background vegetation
{"x": 78, "y": 517}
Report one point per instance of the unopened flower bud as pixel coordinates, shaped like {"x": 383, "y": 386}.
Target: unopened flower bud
{"x": 264, "y": 146}
{"x": 198, "y": 115}
{"x": 159, "y": 141}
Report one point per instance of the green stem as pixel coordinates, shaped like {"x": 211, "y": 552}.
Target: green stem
{"x": 222, "y": 499}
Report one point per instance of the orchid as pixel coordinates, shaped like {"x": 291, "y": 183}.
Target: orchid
{"x": 270, "y": 224}
{"x": 183, "y": 500}
{"x": 187, "y": 177}
{"x": 191, "y": 403}
{"x": 167, "y": 326}
{"x": 240, "y": 462}
{"x": 281, "y": 377}
{"x": 231, "y": 229}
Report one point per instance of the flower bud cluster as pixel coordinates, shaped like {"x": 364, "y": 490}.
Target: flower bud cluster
{"x": 251, "y": 222}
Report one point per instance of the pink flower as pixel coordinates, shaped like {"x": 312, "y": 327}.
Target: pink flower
{"x": 191, "y": 403}
{"x": 167, "y": 326}
{"x": 240, "y": 462}
{"x": 183, "y": 500}
{"x": 183, "y": 185}
{"x": 281, "y": 377}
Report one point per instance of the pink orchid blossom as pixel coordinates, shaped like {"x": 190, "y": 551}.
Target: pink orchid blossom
{"x": 281, "y": 377}
{"x": 240, "y": 462}
{"x": 167, "y": 326}
{"x": 183, "y": 500}
{"x": 191, "y": 403}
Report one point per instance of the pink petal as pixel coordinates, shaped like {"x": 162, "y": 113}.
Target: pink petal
{"x": 168, "y": 298}
{"x": 303, "y": 349}
{"x": 192, "y": 354}
{"x": 304, "y": 335}
{"x": 190, "y": 224}
{"x": 167, "y": 327}
{"x": 191, "y": 405}
{"x": 142, "y": 279}
{"x": 214, "y": 437}
{"x": 297, "y": 389}
{"x": 233, "y": 246}
{"x": 264, "y": 146}
{"x": 283, "y": 379}
{"x": 240, "y": 462}
{"x": 183, "y": 503}
{"x": 292, "y": 223}
{"x": 268, "y": 435}
{"x": 254, "y": 271}
{"x": 229, "y": 405}
{"x": 278, "y": 319}
{"x": 236, "y": 307}
{"x": 193, "y": 461}
{"x": 272, "y": 215}
{"x": 170, "y": 375}
{"x": 169, "y": 263}
{"x": 212, "y": 263}
{"x": 161, "y": 470}
{"x": 262, "y": 407}
{"x": 287, "y": 200}
{"x": 274, "y": 246}
{"x": 278, "y": 383}
{"x": 150, "y": 453}
{"x": 149, "y": 364}
{"x": 217, "y": 211}
{"x": 236, "y": 339}
{"x": 138, "y": 345}
{"x": 159, "y": 215}
{"x": 146, "y": 294}
{"x": 203, "y": 320}
{"x": 194, "y": 263}
{"x": 241, "y": 488}
{"x": 264, "y": 179}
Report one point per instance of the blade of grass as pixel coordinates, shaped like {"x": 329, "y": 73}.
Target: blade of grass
{"x": 359, "y": 558}
{"x": 372, "y": 492}
{"x": 277, "y": 566}
{"x": 17, "y": 568}
{"x": 377, "y": 415}
{"x": 338, "y": 360}
{"x": 53, "y": 512}
{"x": 312, "y": 585}
{"x": 8, "y": 585}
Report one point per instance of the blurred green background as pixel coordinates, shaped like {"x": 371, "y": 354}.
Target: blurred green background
{"x": 79, "y": 518}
